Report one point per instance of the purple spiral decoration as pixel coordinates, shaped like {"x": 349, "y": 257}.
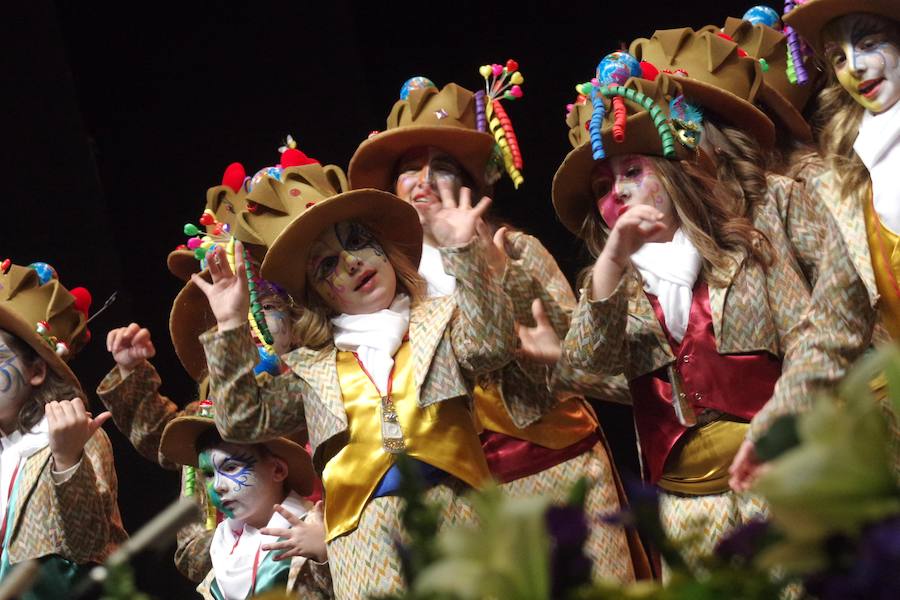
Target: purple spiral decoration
{"x": 596, "y": 121}
{"x": 794, "y": 47}
{"x": 480, "y": 119}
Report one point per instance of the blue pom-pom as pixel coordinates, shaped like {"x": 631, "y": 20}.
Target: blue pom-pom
{"x": 268, "y": 363}
{"x": 763, "y": 15}
{"x": 45, "y": 272}
{"x": 618, "y": 68}
{"x": 415, "y": 83}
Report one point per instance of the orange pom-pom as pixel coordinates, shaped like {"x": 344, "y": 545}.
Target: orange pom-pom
{"x": 83, "y": 299}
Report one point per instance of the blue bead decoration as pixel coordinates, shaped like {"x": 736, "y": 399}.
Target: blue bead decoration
{"x": 415, "y": 83}
{"x": 617, "y": 68}
{"x": 45, "y": 272}
{"x": 763, "y": 15}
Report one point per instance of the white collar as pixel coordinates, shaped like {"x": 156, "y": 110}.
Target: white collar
{"x": 878, "y": 146}
{"x": 235, "y": 545}
{"x": 16, "y": 448}
{"x": 375, "y": 337}
{"x": 431, "y": 268}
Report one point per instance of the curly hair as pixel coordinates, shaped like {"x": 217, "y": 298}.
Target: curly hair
{"x": 312, "y": 324}
{"x": 740, "y": 164}
{"x": 54, "y": 386}
{"x": 709, "y": 219}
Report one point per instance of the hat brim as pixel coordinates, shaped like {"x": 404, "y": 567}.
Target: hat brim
{"x": 12, "y": 323}
{"x": 395, "y": 220}
{"x": 810, "y": 19}
{"x": 374, "y": 163}
{"x": 730, "y": 107}
{"x": 179, "y": 445}
{"x": 182, "y": 264}
{"x": 785, "y": 113}
{"x": 189, "y": 318}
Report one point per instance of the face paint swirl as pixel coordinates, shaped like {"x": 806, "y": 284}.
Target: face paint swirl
{"x": 229, "y": 480}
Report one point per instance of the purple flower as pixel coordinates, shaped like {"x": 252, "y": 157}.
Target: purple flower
{"x": 568, "y": 531}
{"x": 744, "y": 542}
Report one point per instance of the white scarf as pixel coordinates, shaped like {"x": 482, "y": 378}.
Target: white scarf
{"x": 233, "y": 554}
{"x": 16, "y": 448}
{"x": 375, "y": 337}
{"x": 669, "y": 271}
{"x": 878, "y": 145}
{"x": 431, "y": 268}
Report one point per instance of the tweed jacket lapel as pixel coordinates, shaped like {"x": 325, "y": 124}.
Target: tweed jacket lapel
{"x": 851, "y": 220}
{"x": 427, "y": 321}
{"x": 31, "y": 474}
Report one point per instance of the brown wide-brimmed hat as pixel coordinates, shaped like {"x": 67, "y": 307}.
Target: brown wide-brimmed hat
{"x": 644, "y": 131}
{"x": 395, "y": 220}
{"x": 783, "y": 100}
{"x": 36, "y": 308}
{"x": 714, "y": 74}
{"x": 444, "y": 119}
{"x": 179, "y": 445}
{"x": 223, "y": 203}
{"x": 811, "y": 17}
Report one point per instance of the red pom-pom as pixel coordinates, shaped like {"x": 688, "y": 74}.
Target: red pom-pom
{"x": 294, "y": 158}
{"x": 234, "y": 176}
{"x": 649, "y": 71}
{"x": 83, "y": 299}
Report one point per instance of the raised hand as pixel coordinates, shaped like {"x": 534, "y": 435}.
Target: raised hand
{"x": 539, "y": 343}
{"x": 638, "y": 225}
{"x": 306, "y": 537}
{"x": 494, "y": 246}
{"x": 228, "y": 294}
{"x": 129, "y": 346}
{"x": 454, "y": 224}
{"x": 70, "y": 427}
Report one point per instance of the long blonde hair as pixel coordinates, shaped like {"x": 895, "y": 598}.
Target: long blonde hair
{"x": 740, "y": 164}
{"x": 312, "y": 318}
{"x": 705, "y": 213}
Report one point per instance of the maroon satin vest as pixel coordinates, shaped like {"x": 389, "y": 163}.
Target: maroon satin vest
{"x": 736, "y": 384}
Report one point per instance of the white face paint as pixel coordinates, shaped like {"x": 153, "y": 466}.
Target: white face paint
{"x": 241, "y": 482}
{"x": 864, "y": 51}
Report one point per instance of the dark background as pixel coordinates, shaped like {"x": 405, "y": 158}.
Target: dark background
{"x": 118, "y": 118}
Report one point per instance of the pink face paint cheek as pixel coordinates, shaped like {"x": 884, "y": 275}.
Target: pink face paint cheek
{"x": 609, "y": 209}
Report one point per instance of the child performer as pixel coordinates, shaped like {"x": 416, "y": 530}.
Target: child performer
{"x": 380, "y": 372}
{"x": 56, "y": 464}
{"x": 535, "y": 442}
{"x": 245, "y": 482}
{"x": 700, "y": 308}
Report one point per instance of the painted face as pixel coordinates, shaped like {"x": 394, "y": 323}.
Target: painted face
{"x": 241, "y": 482}
{"x": 864, "y": 51}
{"x": 14, "y": 377}
{"x": 350, "y": 270}
{"x": 278, "y": 320}
{"x": 419, "y": 171}
{"x": 624, "y": 181}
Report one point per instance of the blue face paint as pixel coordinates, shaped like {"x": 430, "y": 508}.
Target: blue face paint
{"x": 12, "y": 380}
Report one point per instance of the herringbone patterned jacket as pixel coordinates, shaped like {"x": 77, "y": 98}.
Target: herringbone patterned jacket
{"x": 78, "y": 519}
{"x": 471, "y": 332}
{"x": 759, "y": 310}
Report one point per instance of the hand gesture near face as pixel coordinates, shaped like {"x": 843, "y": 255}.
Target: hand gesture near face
{"x": 638, "y": 225}
{"x": 129, "y": 346}
{"x": 306, "y": 537}
{"x": 70, "y": 427}
{"x": 539, "y": 343}
{"x": 455, "y": 223}
{"x": 228, "y": 294}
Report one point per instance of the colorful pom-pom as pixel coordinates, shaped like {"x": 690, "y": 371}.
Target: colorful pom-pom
{"x": 649, "y": 71}
{"x": 234, "y": 176}
{"x": 5, "y": 266}
{"x": 292, "y": 157}
{"x": 763, "y": 15}
{"x": 83, "y": 299}
{"x": 45, "y": 272}
{"x": 617, "y": 68}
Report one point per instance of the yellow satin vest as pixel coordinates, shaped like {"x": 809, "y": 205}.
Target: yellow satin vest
{"x": 442, "y": 435}
{"x": 699, "y": 464}
{"x": 884, "y": 246}
{"x": 568, "y": 423}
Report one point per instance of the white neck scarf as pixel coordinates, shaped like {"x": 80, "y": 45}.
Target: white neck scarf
{"x": 374, "y": 337}
{"x": 16, "y": 448}
{"x": 878, "y": 145}
{"x": 431, "y": 268}
{"x": 234, "y": 546}
{"x": 669, "y": 271}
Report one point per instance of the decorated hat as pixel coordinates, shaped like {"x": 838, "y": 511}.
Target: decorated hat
{"x": 715, "y": 72}
{"x": 223, "y": 203}
{"x": 472, "y": 127}
{"x": 650, "y": 117}
{"x": 39, "y": 310}
{"x": 809, "y": 18}
{"x": 179, "y": 445}
{"x": 782, "y": 94}
{"x": 396, "y": 221}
